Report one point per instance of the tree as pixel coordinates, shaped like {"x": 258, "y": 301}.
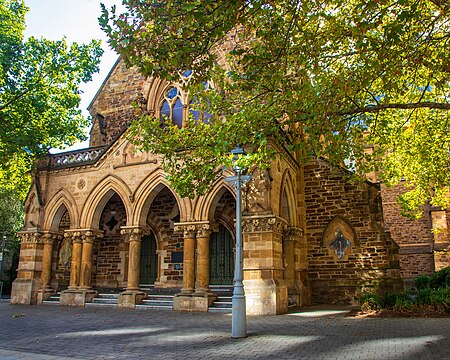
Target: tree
{"x": 324, "y": 78}
{"x": 39, "y": 98}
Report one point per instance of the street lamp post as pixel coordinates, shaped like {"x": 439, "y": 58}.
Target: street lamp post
{"x": 238, "y": 315}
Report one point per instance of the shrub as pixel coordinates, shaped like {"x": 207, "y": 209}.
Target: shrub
{"x": 370, "y": 302}
{"x": 422, "y": 282}
{"x": 440, "y": 278}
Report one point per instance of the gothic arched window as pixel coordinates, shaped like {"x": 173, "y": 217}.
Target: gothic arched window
{"x": 175, "y": 106}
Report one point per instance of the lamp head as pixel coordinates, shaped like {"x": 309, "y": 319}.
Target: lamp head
{"x": 238, "y": 151}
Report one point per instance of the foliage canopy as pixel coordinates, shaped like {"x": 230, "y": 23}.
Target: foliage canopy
{"x": 39, "y": 98}
{"x": 324, "y": 78}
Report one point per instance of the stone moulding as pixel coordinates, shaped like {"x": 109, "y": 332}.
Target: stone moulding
{"x": 266, "y": 223}
{"x": 199, "y": 228}
{"x": 292, "y": 234}
{"x": 134, "y": 233}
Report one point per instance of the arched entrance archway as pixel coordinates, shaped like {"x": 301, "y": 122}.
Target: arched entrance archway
{"x": 149, "y": 260}
{"x": 221, "y": 255}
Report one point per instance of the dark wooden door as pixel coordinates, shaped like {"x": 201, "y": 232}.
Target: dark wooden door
{"x": 221, "y": 257}
{"x": 149, "y": 260}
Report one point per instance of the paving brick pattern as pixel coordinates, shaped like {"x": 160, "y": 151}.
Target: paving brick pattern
{"x": 54, "y": 332}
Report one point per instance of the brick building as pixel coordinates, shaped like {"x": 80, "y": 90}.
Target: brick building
{"x": 106, "y": 218}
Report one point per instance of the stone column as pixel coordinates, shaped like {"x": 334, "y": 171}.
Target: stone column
{"x": 265, "y": 287}
{"x": 134, "y": 257}
{"x": 25, "y": 288}
{"x": 86, "y": 260}
{"x": 47, "y": 261}
{"x": 188, "y": 299}
{"x": 80, "y": 291}
{"x": 189, "y": 259}
{"x": 292, "y": 237}
{"x": 133, "y": 295}
{"x": 203, "y": 237}
{"x": 77, "y": 247}
{"x": 289, "y": 258}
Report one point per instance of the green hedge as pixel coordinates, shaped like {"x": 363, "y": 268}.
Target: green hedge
{"x": 432, "y": 294}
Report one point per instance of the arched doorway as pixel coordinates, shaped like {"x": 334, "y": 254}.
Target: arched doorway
{"x": 149, "y": 260}
{"x": 221, "y": 255}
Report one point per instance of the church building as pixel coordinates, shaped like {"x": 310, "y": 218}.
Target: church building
{"x": 105, "y": 218}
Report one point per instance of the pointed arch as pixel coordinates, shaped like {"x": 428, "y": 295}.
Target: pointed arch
{"x": 100, "y": 195}
{"x": 55, "y": 208}
{"x": 204, "y": 205}
{"x": 146, "y": 193}
{"x": 287, "y": 187}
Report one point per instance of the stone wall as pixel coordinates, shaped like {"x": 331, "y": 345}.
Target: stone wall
{"x": 414, "y": 237}
{"x": 113, "y": 102}
{"x": 110, "y": 251}
{"x": 62, "y": 253}
{"x": 349, "y": 214}
{"x": 163, "y": 214}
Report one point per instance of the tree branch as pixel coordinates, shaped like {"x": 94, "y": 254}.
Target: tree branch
{"x": 376, "y": 108}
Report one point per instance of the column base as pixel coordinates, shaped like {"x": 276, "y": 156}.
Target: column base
{"x": 44, "y": 294}
{"x": 130, "y": 298}
{"x": 195, "y": 302}
{"x": 76, "y": 297}
{"x": 266, "y": 297}
{"x": 25, "y": 291}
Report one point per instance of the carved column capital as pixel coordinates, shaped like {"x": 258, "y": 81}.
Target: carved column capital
{"x": 134, "y": 233}
{"x": 292, "y": 234}
{"x": 50, "y": 237}
{"x": 268, "y": 223}
{"x": 89, "y": 236}
{"x": 204, "y": 230}
{"x": 30, "y": 237}
{"x": 189, "y": 229}
{"x": 73, "y": 235}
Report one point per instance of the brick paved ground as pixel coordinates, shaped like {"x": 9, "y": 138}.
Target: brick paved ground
{"x": 54, "y": 332}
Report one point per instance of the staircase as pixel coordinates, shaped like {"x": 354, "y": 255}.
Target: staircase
{"x": 161, "y": 299}
{"x": 105, "y": 299}
{"x": 223, "y": 303}
{"x": 52, "y": 300}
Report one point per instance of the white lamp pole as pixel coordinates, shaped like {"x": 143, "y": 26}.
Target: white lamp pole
{"x": 238, "y": 315}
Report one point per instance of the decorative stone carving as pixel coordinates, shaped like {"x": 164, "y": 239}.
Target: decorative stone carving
{"x": 77, "y": 157}
{"x": 339, "y": 237}
{"x": 30, "y": 237}
{"x": 292, "y": 234}
{"x": 188, "y": 229}
{"x": 192, "y": 229}
{"x": 134, "y": 233}
{"x": 340, "y": 244}
{"x": 50, "y": 238}
{"x": 257, "y": 192}
{"x": 263, "y": 224}
{"x": 204, "y": 230}
{"x": 91, "y": 235}
{"x": 81, "y": 184}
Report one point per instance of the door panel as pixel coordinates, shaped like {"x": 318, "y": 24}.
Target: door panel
{"x": 149, "y": 260}
{"x": 221, "y": 257}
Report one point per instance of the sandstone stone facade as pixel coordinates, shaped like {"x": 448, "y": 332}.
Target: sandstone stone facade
{"x": 308, "y": 235}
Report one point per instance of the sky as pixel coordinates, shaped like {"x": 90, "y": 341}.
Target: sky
{"x": 77, "y": 21}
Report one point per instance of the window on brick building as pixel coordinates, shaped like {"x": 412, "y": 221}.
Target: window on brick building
{"x": 173, "y": 107}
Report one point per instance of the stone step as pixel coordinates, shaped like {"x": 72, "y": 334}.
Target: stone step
{"x": 160, "y": 297}
{"x": 155, "y": 307}
{"x": 219, "y": 310}
{"x": 223, "y": 304}
{"x": 157, "y": 303}
{"x": 99, "y": 304}
{"x": 107, "y": 296}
